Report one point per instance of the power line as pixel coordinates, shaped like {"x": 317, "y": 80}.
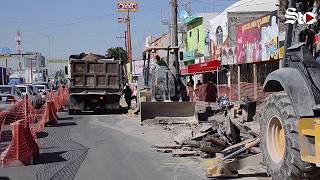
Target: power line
{"x": 62, "y": 25}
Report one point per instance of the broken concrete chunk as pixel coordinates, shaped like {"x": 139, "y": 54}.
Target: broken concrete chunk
{"x": 217, "y": 141}
{"x": 168, "y": 146}
{"x": 205, "y": 127}
{"x": 192, "y": 143}
{"x": 186, "y": 149}
{"x": 210, "y": 150}
{"x": 181, "y": 153}
{"x": 164, "y": 150}
{"x": 199, "y": 135}
{"x": 184, "y": 135}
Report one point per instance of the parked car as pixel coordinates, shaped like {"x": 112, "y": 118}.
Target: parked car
{"x": 43, "y": 83}
{"x": 8, "y": 100}
{"x": 36, "y": 93}
{"x": 9, "y": 95}
{"x": 44, "y": 90}
{"x": 32, "y": 96}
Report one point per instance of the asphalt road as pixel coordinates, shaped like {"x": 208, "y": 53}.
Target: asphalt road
{"x": 115, "y": 155}
{"x": 105, "y": 147}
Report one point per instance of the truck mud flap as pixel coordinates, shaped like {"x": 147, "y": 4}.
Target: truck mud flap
{"x": 172, "y": 112}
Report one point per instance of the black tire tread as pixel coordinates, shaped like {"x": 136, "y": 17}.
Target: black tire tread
{"x": 291, "y": 167}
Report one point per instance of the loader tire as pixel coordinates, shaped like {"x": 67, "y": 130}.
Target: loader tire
{"x": 279, "y": 141}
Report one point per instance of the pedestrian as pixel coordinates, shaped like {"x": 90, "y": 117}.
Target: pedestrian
{"x": 191, "y": 81}
{"x": 198, "y": 83}
{"x": 212, "y": 92}
{"x": 134, "y": 93}
{"x": 128, "y": 95}
{"x": 190, "y": 91}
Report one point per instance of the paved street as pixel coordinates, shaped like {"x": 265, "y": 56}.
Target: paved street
{"x": 101, "y": 147}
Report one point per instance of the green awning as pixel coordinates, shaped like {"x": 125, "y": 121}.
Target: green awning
{"x": 192, "y": 19}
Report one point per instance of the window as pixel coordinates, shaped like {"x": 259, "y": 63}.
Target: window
{"x": 219, "y": 35}
{"x": 190, "y": 34}
{"x": 22, "y": 89}
{"x": 18, "y": 93}
{"x": 5, "y": 90}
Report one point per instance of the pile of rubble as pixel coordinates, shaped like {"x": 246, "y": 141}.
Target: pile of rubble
{"x": 207, "y": 139}
{"x": 222, "y": 136}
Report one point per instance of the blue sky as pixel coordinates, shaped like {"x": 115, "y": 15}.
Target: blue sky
{"x": 84, "y": 25}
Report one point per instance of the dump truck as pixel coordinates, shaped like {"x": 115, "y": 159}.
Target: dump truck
{"x": 95, "y": 83}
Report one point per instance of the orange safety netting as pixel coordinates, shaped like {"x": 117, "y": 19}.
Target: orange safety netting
{"x": 25, "y": 121}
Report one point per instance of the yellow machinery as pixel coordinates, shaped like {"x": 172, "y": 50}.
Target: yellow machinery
{"x": 163, "y": 95}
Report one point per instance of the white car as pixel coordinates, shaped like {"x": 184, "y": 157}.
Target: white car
{"x": 9, "y": 95}
{"x": 32, "y": 96}
{"x": 43, "y": 89}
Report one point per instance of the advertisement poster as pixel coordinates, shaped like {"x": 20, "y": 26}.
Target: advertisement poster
{"x": 138, "y": 67}
{"x": 257, "y": 40}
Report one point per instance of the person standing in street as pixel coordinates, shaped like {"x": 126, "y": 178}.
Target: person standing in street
{"x": 198, "y": 83}
{"x": 128, "y": 95}
{"x": 191, "y": 81}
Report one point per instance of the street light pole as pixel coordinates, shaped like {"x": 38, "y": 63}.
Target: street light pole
{"x": 49, "y": 52}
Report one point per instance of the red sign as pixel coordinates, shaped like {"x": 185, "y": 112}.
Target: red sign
{"x": 201, "y": 67}
{"x": 127, "y": 6}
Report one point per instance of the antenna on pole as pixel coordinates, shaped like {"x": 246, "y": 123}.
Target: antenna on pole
{"x": 212, "y": 5}
{"x": 19, "y": 48}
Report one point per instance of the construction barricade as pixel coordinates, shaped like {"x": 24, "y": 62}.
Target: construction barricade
{"x": 20, "y": 123}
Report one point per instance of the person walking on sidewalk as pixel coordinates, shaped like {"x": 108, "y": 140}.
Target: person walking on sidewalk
{"x": 128, "y": 95}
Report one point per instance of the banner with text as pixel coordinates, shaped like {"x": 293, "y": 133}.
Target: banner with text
{"x": 257, "y": 40}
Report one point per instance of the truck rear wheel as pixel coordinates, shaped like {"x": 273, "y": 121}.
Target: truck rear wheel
{"x": 279, "y": 141}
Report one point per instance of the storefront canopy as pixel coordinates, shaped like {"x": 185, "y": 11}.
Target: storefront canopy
{"x": 201, "y": 67}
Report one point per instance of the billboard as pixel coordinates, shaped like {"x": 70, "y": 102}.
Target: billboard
{"x": 58, "y": 61}
{"x": 138, "y": 67}
{"x": 127, "y": 7}
{"x": 257, "y": 40}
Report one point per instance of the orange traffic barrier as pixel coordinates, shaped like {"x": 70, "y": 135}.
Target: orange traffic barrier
{"x": 3, "y": 116}
{"x": 23, "y": 146}
{"x": 43, "y": 119}
{"x": 52, "y": 113}
{"x": 25, "y": 122}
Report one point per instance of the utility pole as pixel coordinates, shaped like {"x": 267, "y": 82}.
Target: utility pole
{"x": 129, "y": 45}
{"x": 174, "y": 35}
{"x": 49, "y": 52}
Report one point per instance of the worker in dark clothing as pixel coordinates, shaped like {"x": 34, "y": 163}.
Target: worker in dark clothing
{"x": 212, "y": 92}
{"x": 198, "y": 83}
{"x": 191, "y": 81}
{"x": 128, "y": 95}
{"x": 160, "y": 62}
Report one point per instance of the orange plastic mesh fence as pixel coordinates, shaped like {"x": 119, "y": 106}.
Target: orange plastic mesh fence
{"x": 23, "y": 146}
{"x": 18, "y": 140}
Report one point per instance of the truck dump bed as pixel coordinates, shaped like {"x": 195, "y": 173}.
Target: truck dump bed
{"x": 95, "y": 84}
{"x": 95, "y": 75}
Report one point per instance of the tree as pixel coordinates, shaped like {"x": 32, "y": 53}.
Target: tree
{"x": 59, "y": 76}
{"x": 118, "y": 53}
